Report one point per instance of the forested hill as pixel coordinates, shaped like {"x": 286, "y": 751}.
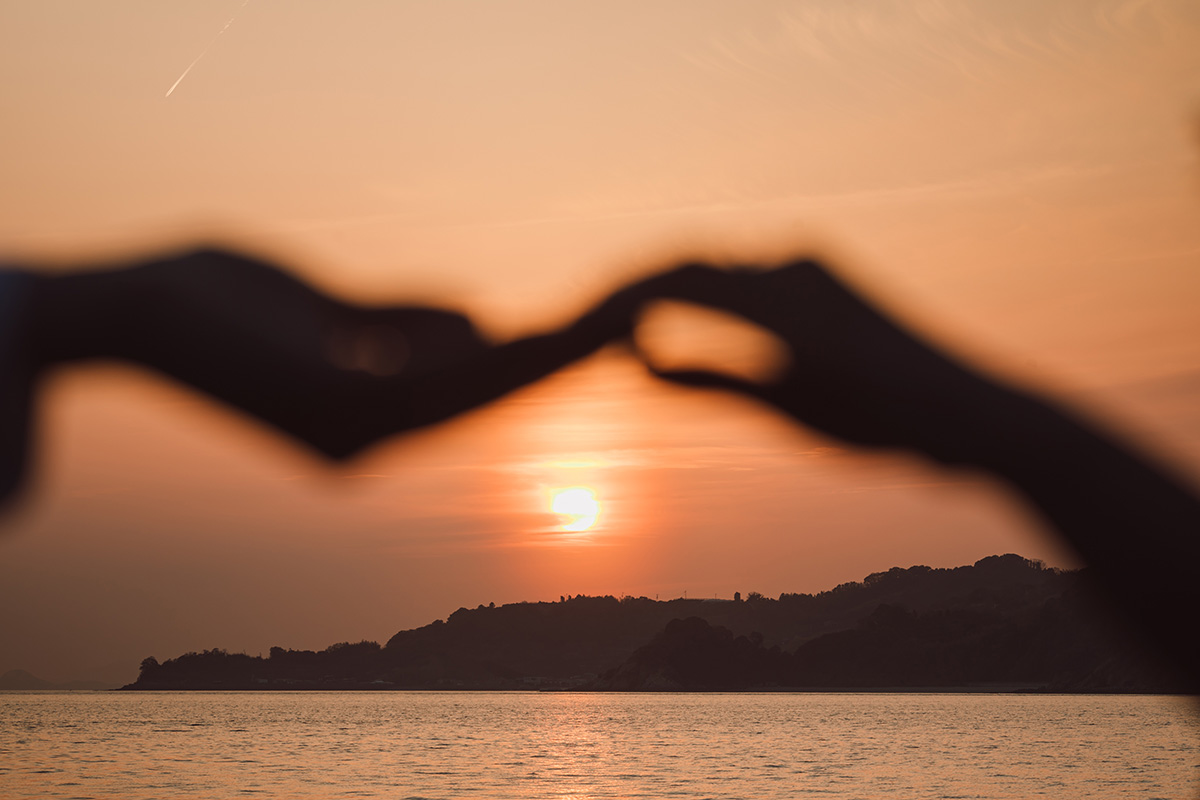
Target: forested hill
{"x": 1003, "y": 620}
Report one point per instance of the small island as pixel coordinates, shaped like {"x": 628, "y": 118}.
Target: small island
{"x": 1005, "y": 623}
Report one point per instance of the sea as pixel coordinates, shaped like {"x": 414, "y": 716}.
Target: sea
{"x": 579, "y": 746}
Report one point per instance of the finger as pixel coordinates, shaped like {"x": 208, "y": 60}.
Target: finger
{"x": 611, "y": 319}
{"x": 701, "y": 379}
{"x": 750, "y": 293}
{"x": 699, "y": 283}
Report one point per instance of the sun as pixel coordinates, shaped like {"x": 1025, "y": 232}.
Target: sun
{"x": 578, "y": 505}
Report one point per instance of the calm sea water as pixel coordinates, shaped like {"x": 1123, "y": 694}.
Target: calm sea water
{"x": 529, "y": 745}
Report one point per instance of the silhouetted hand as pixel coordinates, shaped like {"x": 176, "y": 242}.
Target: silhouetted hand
{"x": 858, "y": 376}
{"x": 853, "y": 374}
{"x": 336, "y": 376}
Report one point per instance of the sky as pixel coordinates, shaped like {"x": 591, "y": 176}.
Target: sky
{"x": 1019, "y": 181}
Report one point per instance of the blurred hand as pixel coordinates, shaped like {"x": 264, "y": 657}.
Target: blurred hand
{"x": 854, "y": 373}
{"x": 858, "y": 376}
{"x": 336, "y": 376}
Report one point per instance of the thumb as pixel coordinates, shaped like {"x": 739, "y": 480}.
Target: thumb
{"x": 702, "y": 379}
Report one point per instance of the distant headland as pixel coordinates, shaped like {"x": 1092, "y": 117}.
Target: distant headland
{"x": 1003, "y": 623}
{"x": 18, "y": 679}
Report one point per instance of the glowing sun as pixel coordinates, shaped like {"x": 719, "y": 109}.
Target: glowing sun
{"x": 578, "y": 505}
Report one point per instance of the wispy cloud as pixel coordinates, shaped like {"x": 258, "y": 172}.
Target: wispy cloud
{"x": 975, "y": 40}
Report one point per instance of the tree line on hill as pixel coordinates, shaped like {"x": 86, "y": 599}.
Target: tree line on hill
{"x": 1005, "y": 621}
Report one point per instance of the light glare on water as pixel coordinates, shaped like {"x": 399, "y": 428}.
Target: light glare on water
{"x": 529, "y": 745}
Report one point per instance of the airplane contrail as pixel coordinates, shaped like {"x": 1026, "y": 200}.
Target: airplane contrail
{"x": 207, "y": 47}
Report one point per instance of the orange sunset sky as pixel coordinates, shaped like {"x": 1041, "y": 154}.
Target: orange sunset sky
{"x": 1020, "y": 179}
